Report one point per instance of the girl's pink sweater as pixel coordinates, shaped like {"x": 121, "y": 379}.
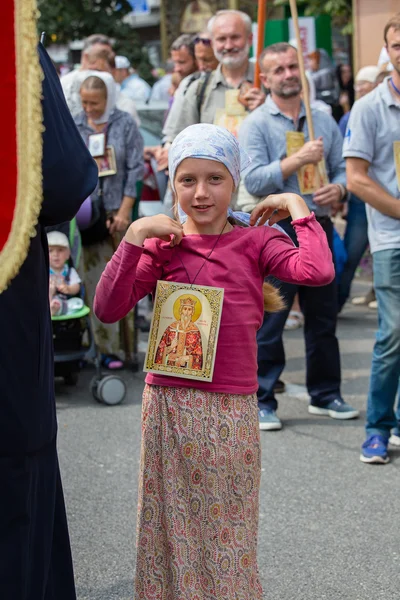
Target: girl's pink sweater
{"x": 239, "y": 263}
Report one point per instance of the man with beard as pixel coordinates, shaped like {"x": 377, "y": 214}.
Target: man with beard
{"x": 371, "y": 149}
{"x": 263, "y": 135}
{"x": 180, "y": 345}
{"x": 231, "y": 37}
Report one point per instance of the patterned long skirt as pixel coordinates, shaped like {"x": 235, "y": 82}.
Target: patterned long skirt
{"x": 198, "y": 496}
{"x": 109, "y": 337}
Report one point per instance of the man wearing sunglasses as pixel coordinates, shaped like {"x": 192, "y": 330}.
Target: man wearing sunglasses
{"x": 204, "y": 53}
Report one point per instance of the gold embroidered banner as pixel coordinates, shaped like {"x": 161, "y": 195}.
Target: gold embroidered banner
{"x": 21, "y": 148}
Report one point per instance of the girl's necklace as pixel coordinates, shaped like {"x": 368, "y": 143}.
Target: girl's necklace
{"x": 205, "y": 260}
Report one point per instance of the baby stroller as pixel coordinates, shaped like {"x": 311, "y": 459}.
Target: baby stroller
{"x": 68, "y": 335}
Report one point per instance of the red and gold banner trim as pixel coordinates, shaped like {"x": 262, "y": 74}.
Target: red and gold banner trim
{"x": 21, "y": 150}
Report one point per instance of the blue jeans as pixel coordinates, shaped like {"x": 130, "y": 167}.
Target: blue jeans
{"x": 355, "y": 242}
{"x": 319, "y": 306}
{"x": 385, "y": 369}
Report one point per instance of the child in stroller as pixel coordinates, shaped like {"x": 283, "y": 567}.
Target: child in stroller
{"x": 68, "y": 312}
{"x": 71, "y": 318}
{"x": 64, "y": 281}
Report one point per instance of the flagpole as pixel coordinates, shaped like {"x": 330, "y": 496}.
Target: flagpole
{"x": 304, "y": 82}
{"x": 261, "y": 16}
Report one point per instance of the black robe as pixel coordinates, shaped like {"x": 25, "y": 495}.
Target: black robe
{"x": 35, "y": 560}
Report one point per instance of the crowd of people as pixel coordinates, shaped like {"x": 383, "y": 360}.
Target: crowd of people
{"x": 360, "y": 158}
{"x": 205, "y": 68}
{"x": 200, "y": 460}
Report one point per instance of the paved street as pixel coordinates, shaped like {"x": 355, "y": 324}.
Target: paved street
{"x": 328, "y": 523}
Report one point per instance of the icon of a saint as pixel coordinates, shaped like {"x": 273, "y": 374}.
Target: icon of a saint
{"x": 180, "y": 345}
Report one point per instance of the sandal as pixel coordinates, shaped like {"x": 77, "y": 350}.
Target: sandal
{"x": 295, "y": 320}
{"x": 111, "y": 362}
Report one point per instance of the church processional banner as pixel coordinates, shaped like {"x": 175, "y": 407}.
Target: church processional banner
{"x": 21, "y": 148}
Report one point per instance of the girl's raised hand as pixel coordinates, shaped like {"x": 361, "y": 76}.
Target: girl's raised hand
{"x": 277, "y": 207}
{"x": 159, "y": 226}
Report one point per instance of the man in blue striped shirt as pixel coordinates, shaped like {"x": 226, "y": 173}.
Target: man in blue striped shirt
{"x": 263, "y": 135}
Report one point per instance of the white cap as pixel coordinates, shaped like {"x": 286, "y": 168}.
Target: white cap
{"x": 121, "y": 62}
{"x": 369, "y": 73}
{"x": 57, "y": 238}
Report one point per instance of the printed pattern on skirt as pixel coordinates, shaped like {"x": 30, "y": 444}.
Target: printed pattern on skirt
{"x": 198, "y": 496}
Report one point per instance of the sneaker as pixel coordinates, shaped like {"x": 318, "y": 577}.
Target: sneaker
{"x": 364, "y": 300}
{"x": 394, "y": 439}
{"x": 374, "y": 450}
{"x": 337, "y": 409}
{"x": 279, "y": 387}
{"x": 295, "y": 320}
{"x": 268, "y": 421}
{"x": 373, "y": 305}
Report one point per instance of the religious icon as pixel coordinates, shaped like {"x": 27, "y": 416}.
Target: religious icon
{"x": 233, "y": 107}
{"x": 230, "y": 122}
{"x": 181, "y": 343}
{"x": 97, "y": 144}
{"x": 184, "y": 331}
{"x": 107, "y": 164}
{"x": 396, "y": 154}
{"x": 310, "y": 177}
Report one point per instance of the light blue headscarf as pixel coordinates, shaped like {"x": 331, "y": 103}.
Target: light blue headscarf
{"x": 209, "y": 142}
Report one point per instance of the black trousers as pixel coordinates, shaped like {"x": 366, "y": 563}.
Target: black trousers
{"x": 35, "y": 554}
{"x": 319, "y": 306}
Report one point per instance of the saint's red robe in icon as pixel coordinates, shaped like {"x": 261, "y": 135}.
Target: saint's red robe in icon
{"x": 189, "y": 347}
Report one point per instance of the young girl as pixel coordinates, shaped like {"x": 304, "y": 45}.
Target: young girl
{"x": 200, "y": 461}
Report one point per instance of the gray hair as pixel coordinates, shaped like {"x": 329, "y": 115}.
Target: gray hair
{"x": 96, "y": 38}
{"x": 222, "y": 13}
{"x": 185, "y": 40}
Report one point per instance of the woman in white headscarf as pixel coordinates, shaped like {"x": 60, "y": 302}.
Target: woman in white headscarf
{"x": 114, "y": 140}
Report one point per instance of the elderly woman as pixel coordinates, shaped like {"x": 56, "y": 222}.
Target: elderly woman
{"x": 114, "y": 140}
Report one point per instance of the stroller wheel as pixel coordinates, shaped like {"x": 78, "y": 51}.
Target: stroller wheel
{"x": 109, "y": 390}
{"x": 71, "y": 378}
{"x": 93, "y": 387}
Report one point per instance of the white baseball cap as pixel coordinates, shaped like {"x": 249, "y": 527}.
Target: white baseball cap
{"x": 57, "y": 238}
{"x": 121, "y": 62}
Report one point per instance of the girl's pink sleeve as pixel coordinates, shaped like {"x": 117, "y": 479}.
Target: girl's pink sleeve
{"x": 309, "y": 264}
{"x": 130, "y": 275}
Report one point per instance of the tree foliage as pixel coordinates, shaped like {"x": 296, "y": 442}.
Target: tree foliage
{"x": 68, "y": 20}
{"x": 339, "y": 10}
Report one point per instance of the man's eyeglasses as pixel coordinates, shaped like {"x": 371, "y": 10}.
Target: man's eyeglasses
{"x": 200, "y": 40}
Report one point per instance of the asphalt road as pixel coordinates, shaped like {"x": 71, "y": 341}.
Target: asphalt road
{"x": 328, "y": 523}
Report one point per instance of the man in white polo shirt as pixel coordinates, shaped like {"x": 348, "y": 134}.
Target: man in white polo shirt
{"x": 372, "y": 152}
